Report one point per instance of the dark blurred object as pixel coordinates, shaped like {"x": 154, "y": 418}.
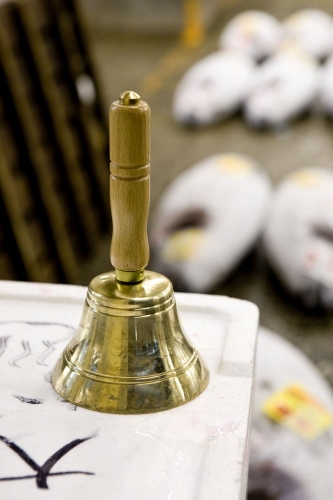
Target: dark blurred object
{"x": 8, "y": 250}
{"x": 53, "y": 137}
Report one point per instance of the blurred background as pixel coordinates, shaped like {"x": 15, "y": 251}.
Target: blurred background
{"x": 62, "y": 63}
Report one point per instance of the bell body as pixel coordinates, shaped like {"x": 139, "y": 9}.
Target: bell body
{"x": 130, "y": 354}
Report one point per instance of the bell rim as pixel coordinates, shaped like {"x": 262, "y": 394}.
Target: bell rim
{"x": 130, "y": 380}
{"x": 200, "y": 384}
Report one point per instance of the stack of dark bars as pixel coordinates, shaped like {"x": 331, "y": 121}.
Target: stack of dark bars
{"x": 54, "y": 199}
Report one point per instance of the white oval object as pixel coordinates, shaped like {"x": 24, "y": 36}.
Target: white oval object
{"x": 299, "y": 235}
{"x": 86, "y": 89}
{"x": 213, "y": 88}
{"x": 254, "y": 32}
{"x": 311, "y": 30}
{"x": 282, "y": 464}
{"x": 286, "y": 86}
{"x": 208, "y": 219}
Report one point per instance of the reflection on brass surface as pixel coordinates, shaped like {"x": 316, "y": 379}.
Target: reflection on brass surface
{"x": 130, "y": 354}
{"x": 130, "y": 276}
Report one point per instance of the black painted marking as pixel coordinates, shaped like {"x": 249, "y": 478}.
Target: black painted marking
{"x": 26, "y": 346}
{"x": 71, "y": 406}
{"x": 48, "y": 377}
{"x": 50, "y": 348}
{"x": 32, "y": 476}
{"x": 43, "y": 471}
{"x": 36, "y": 323}
{"x": 31, "y": 401}
{"x": 25, "y": 354}
{"x": 3, "y": 344}
{"x": 45, "y": 354}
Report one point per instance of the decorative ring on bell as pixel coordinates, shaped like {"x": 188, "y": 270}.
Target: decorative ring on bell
{"x": 144, "y": 379}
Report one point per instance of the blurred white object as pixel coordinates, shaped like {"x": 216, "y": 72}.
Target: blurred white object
{"x": 213, "y": 88}
{"x": 326, "y": 91}
{"x": 311, "y": 30}
{"x": 283, "y": 466}
{"x": 208, "y": 219}
{"x": 254, "y": 32}
{"x": 299, "y": 235}
{"x": 286, "y": 86}
{"x": 86, "y": 89}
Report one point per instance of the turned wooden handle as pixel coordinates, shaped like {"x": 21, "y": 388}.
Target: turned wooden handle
{"x": 129, "y": 182}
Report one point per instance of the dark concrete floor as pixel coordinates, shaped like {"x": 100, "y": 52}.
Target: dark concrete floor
{"x": 152, "y": 66}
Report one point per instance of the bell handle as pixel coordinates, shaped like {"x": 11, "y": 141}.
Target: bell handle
{"x": 129, "y": 185}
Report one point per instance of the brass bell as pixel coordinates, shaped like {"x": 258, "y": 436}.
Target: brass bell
{"x": 130, "y": 354}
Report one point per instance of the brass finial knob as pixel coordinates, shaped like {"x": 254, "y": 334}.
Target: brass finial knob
{"x": 129, "y": 97}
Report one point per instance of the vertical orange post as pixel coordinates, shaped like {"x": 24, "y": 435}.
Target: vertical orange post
{"x": 194, "y": 32}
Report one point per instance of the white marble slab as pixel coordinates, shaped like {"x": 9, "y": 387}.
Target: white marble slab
{"x": 198, "y": 451}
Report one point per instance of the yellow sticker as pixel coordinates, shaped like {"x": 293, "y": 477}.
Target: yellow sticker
{"x": 249, "y": 24}
{"x": 290, "y": 46}
{"x": 183, "y": 244}
{"x": 306, "y": 178}
{"x": 294, "y": 408}
{"x": 235, "y": 164}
